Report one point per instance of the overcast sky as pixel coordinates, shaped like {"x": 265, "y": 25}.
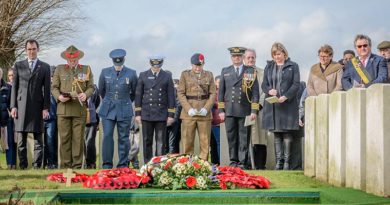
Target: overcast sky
{"x": 179, "y": 28}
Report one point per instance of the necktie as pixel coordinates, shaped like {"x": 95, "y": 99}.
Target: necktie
{"x": 238, "y": 71}
{"x": 363, "y": 62}
{"x": 155, "y": 75}
{"x": 31, "y": 66}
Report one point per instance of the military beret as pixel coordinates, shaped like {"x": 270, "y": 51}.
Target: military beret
{"x": 197, "y": 59}
{"x": 156, "y": 60}
{"x": 237, "y": 50}
{"x": 384, "y": 45}
{"x": 118, "y": 56}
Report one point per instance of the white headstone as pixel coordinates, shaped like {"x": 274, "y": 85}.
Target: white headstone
{"x": 378, "y": 140}
{"x": 310, "y": 137}
{"x": 337, "y": 135}
{"x": 322, "y": 137}
{"x": 355, "y": 162}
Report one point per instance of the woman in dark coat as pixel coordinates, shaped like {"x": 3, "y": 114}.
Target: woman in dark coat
{"x": 6, "y": 122}
{"x": 281, "y": 80}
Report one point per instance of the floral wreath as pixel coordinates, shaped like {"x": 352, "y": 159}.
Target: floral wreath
{"x": 180, "y": 172}
{"x": 170, "y": 172}
{"x": 191, "y": 172}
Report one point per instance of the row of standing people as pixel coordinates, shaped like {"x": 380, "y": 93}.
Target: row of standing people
{"x": 153, "y": 93}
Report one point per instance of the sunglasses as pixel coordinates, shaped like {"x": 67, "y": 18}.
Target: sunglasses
{"x": 360, "y": 46}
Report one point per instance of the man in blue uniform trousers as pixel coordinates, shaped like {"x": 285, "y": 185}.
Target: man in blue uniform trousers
{"x": 238, "y": 98}
{"x": 154, "y": 106}
{"x": 117, "y": 86}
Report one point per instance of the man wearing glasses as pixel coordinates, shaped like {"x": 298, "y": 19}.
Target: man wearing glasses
{"x": 365, "y": 69}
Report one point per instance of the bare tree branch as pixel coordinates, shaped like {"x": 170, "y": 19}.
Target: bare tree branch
{"x": 47, "y": 21}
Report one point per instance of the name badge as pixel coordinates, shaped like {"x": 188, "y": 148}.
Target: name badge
{"x": 151, "y": 77}
{"x": 226, "y": 74}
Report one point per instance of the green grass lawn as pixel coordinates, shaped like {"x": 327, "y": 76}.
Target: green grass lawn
{"x": 281, "y": 181}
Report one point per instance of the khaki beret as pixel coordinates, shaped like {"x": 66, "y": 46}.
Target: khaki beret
{"x": 384, "y": 45}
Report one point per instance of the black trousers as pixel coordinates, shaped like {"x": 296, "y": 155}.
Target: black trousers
{"x": 214, "y": 156}
{"x": 260, "y": 156}
{"x": 90, "y": 147}
{"x": 172, "y": 141}
{"x": 149, "y": 129}
{"x": 22, "y": 150}
{"x": 238, "y": 140}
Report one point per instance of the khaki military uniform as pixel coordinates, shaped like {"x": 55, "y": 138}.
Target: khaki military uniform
{"x": 71, "y": 114}
{"x": 196, "y": 91}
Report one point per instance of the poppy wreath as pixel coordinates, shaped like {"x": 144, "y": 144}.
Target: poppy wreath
{"x": 180, "y": 172}
{"x": 59, "y": 177}
{"x": 120, "y": 178}
{"x": 231, "y": 177}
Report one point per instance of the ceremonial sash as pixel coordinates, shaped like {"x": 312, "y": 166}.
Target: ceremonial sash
{"x": 366, "y": 78}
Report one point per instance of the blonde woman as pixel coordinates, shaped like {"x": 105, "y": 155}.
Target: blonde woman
{"x": 281, "y": 80}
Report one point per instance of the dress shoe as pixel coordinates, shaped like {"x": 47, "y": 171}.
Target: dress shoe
{"x": 52, "y": 166}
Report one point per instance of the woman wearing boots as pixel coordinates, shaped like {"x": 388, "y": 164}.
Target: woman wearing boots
{"x": 280, "y": 112}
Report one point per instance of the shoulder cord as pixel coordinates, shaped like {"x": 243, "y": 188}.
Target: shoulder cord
{"x": 248, "y": 84}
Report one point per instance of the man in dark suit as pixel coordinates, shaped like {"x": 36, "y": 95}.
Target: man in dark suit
{"x": 365, "y": 69}
{"x": 154, "y": 106}
{"x": 117, "y": 86}
{"x": 31, "y": 87}
{"x": 238, "y": 97}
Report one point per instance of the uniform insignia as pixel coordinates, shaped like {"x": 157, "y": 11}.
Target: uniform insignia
{"x": 81, "y": 77}
{"x": 249, "y": 76}
{"x": 127, "y": 81}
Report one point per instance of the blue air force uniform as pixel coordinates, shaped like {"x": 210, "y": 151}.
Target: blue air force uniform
{"x": 117, "y": 86}
{"x": 154, "y": 102}
{"x": 238, "y": 97}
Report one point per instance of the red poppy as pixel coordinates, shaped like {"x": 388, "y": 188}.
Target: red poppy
{"x": 196, "y": 165}
{"x": 167, "y": 165}
{"x": 222, "y": 185}
{"x": 145, "y": 179}
{"x": 190, "y": 181}
{"x": 156, "y": 160}
{"x": 183, "y": 160}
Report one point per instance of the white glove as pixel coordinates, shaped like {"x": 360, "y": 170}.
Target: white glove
{"x": 203, "y": 112}
{"x": 191, "y": 112}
